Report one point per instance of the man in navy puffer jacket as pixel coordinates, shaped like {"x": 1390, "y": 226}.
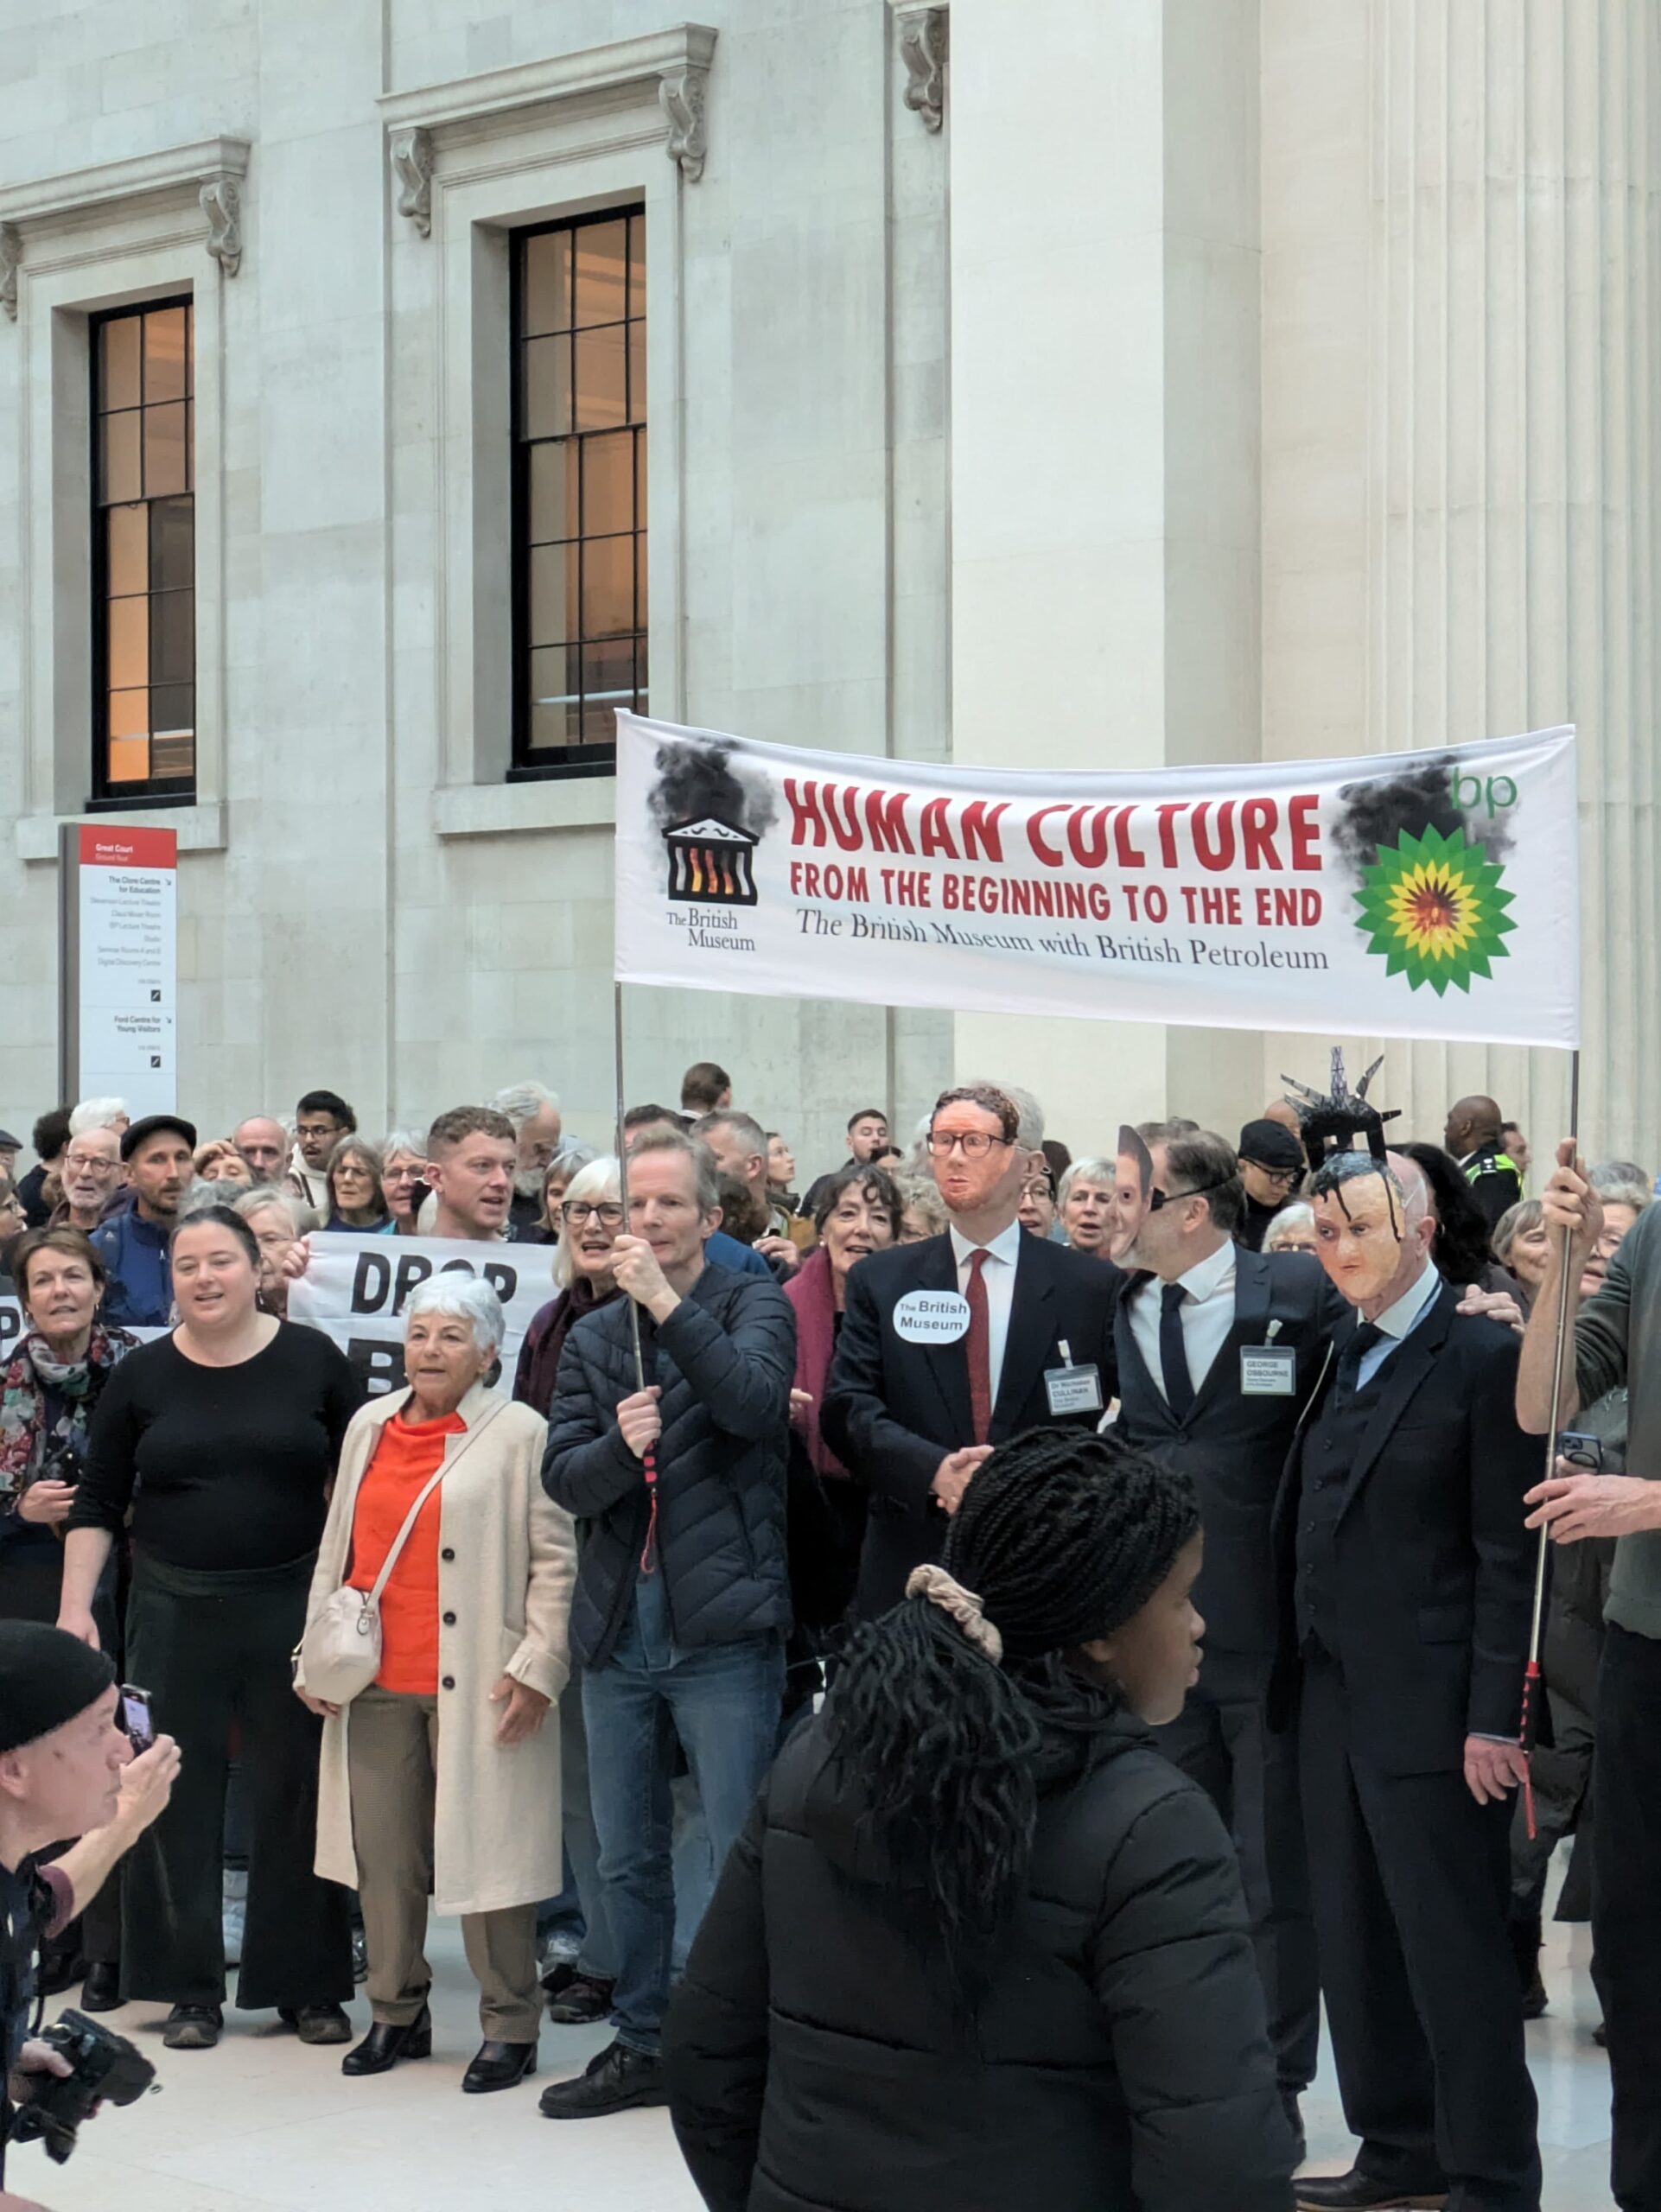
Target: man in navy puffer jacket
{"x": 683, "y": 1593}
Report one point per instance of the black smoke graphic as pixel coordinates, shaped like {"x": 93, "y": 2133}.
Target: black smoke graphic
{"x": 1373, "y": 814}
{"x": 698, "y": 780}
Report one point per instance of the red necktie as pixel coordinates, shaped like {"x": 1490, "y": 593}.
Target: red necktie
{"x": 979, "y": 1345}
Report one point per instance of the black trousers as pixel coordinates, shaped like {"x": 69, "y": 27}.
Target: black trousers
{"x": 1410, "y": 1877}
{"x": 211, "y": 1649}
{"x": 1250, "y": 1774}
{"x": 1626, "y": 1905}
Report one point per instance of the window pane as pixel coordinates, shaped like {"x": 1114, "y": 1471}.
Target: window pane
{"x": 129, "y": 714}
{"x": 129, "y": 634}
{"x": 637, "y": 373}
{"x": 546, "y": 392}
{"x": 602, "y": 271}
{"x": 607, "y": 586}
{"x": 608, "y": 683}
{"x": 545, "y": 294}
{"x": 130, "y": 760}
{"x": 637, "y": 264}
{"x": 164, "y": 355}
{"x": 119, "y": 344}
{"x": 556, "y": 709}
{"x": 640, "y": 479}
{"x": 553, "y": 594}
{"x": 126, "y": 552}
{"x": 190, "y": 446}
{"x": 639, "y": 675}
{"x": 639, "y": 583}
{"x": 173, "y": 710}
{"x": 118, "y": 477}
{"x": 553, "y": 492}
{"x": 600, "y": 379}
{"x": 165, "y": 449}
{"x": 607, "y": 485}
{"x": 173, "y": 637}
{"x": 173, "y": 753}
{"x": 173, "y": 544}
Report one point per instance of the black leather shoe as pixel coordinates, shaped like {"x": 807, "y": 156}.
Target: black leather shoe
{"x": 383, "y": 2046}
{"x": 101, "y": 1991}
{"x": 498, "y": 2066}
{"x": 1357, "y": 2191}
{"x": 194, "y": 2027}
{"x": 317, "y": 2022}
{"x": 616, "y": 2080}
{"x": 578, "y": 2000}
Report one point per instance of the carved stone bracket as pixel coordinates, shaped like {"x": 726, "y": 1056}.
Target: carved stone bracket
{"x": 682, "y": 94}
{"x": 412, "y": 165}
{"x": 923, "y": 50}
{"x": 221, "y": 202}
{"x": 11, "y": 252}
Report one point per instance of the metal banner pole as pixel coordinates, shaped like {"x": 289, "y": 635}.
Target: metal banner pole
{"x": 649, "y": 1461}
{"x": 1536, "y": 1630}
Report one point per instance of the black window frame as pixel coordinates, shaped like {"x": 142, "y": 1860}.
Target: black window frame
{"x": 526, "y": 764}
{"x": 105, "y": 797}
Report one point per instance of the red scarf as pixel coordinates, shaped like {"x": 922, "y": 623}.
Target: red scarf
{"x": 812, "y": 1294}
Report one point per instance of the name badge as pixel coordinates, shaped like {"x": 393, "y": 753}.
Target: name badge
{"x": 931, "y": 1317}
{"x": 1269, "y": 1371}
{"x": 1073, "y": 1389}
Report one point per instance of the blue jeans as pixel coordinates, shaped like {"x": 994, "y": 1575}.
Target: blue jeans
{"x": 723, "y": 1702}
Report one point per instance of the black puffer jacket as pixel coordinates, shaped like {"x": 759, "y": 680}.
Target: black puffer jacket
{"x": 724, "y": 1359}
{"x": 1118, "y": 2064}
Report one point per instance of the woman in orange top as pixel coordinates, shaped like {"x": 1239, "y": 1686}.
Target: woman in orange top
{"x": 442, "y": 1777}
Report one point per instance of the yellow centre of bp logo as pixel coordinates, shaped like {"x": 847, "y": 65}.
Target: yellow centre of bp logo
{"x": 1432, "y": 907}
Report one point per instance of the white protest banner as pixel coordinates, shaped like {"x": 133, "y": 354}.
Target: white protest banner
{"x": 1422, "y": 894}
{"x": 13, "y": 1326}
{"x": 355, "y": 1289}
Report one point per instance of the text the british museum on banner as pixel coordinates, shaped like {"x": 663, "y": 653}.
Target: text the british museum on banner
{"x": 1422, "y": 894}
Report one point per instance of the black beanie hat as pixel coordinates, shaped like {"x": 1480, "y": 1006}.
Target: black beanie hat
{"x": 47, "y": 1677}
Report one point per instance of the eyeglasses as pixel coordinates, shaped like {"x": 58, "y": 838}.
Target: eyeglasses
{"x": 974, "y": 1143}
{"x": 1194, "y": 1190}
{"x": 1285, "y": 1176}
{"x": 577, "y": 1211}
{"x": 1041, "y": 1189}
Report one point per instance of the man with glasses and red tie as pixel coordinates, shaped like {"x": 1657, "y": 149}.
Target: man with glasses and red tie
{"x": 956, "y": 1344}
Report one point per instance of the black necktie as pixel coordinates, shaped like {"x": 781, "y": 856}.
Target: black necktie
{"x": 1350, "y": 1359}
{"x": 1174, "y": 1351}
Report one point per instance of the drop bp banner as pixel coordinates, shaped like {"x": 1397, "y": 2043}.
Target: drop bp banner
{"x": 1421, "y": 895}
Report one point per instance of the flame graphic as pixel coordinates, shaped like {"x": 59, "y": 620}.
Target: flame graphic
{"x": 697, "y": 874}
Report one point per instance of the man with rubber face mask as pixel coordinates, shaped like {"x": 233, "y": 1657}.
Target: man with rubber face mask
{"x": 1406, "y": 1591}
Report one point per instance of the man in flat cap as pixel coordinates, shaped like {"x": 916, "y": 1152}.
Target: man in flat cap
{"x": 159, "y": 1153}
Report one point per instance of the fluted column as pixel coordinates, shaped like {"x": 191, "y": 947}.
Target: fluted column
{"x": 1493, "y": 563}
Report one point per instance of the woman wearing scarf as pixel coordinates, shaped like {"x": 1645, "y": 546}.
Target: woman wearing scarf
{"x": 48, "y": 1390}
{"x": 859, "y": 1210}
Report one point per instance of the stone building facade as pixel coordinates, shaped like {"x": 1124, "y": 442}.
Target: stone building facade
{"x": 1168, "y": 381}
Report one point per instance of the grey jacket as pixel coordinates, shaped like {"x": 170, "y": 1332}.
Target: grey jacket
{"x": 1617, "y": 1339}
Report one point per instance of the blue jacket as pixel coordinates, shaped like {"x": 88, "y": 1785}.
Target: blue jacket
{"x": 135, "y": 1251}
{"x": 723, "y": 1251}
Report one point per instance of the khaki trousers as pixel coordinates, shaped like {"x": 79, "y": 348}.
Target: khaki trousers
{"x": 392, "y": 1751}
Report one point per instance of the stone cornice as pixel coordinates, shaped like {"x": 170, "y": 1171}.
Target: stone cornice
{"x": 923, "y": 27}
{"x": 211, "y": 170}
{"x": 668, "y": 69}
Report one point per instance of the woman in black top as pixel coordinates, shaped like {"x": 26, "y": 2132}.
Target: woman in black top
{"x": 222, "y": 1439}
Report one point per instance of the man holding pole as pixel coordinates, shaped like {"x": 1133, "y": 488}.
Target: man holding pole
{"x": 1617, "y": 1339}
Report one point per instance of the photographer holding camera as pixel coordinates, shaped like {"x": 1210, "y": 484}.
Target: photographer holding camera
{"x": 67, "y": 1769}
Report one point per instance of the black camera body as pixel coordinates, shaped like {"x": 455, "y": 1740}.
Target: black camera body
{"x": 104, "y": 2068}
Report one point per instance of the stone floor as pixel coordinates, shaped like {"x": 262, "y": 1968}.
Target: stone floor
{"x": 263, "y": 2122}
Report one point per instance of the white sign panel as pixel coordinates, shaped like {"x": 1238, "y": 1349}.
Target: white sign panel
{"x": 120, "y": 984}
{"x": 355, "y": 1289}
{"x": 1421, "y": 895}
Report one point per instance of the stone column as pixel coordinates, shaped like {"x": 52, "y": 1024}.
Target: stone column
{"x": 1461, "y": 216}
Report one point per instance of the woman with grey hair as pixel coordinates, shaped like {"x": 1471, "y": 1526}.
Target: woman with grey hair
{"x": 441, "y": 1777}
{"x": 1084, "y": 1203}
{"x": 1292, "y": 1229}
{"x": 403, "y": 1178}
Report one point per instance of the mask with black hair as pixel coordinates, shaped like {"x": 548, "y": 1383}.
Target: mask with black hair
{"x": 1361, "y": 1211}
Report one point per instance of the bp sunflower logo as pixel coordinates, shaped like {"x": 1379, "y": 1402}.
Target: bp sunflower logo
{"x": 1434, "y": 909}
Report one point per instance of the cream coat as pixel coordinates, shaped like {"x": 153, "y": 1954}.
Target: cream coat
{"x": 507, "y": 1566}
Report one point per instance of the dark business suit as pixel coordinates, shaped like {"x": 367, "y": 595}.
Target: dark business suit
{"x": 1406, "y": 1583}
{"x": 1233, "y": 1448}
{"x": 894, "y": 1410}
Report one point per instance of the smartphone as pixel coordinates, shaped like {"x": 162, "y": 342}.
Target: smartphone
{"x": 136, "y": 1717}
{"x": 1581, "y": 1449}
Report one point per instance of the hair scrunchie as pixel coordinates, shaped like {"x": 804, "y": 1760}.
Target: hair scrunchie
{"x": 943, "y": 1590}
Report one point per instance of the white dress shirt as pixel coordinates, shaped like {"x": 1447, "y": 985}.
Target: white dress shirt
{"x": 999, "y": 1276}
{"x": 1397, "y": 1322}
{"x": 1207, "y": 1317}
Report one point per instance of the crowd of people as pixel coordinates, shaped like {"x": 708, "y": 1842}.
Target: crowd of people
{"x": 795, "y": 1659}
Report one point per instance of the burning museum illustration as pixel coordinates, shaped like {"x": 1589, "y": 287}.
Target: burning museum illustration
{"x": 710, "y": 863}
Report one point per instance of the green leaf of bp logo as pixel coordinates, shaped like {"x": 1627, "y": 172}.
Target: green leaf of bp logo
{"x": 1432, "y": 907}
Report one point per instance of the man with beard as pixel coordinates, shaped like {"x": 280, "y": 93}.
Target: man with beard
{"x": 91, "y": 1175}
{"x": 537, "y": 1128}
{"x": 159, "y": 1154}
{"x": 1406, "y": 1586}
{"x": 1218, "y": 1351}
{"x": 951, "y": 1344}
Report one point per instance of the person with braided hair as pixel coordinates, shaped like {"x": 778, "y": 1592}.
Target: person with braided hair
{"x": 981, "y": 1946}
